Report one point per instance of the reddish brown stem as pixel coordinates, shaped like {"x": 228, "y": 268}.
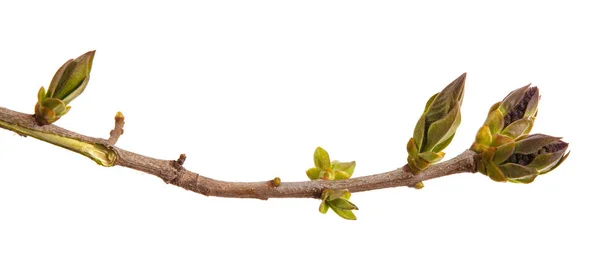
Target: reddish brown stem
{"x": 172, "y": 171}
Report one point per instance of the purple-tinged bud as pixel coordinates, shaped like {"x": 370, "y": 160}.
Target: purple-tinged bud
{"x": 531, "y": 156}
{"x": 514, "y": 116}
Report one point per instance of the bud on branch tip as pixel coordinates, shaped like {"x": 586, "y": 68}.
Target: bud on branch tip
{"x": 69, "y": 82}
{"x": 507, "y": 151}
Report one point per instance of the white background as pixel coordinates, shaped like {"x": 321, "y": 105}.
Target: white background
{"x": 248, "y": 90}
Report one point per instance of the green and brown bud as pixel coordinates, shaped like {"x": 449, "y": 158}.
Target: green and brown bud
{"x": 521, "y": 161}
{"x": 436, "y": 127}
{"x": 512, "y": 117}
{"x": 69, "y": 82}
{"x": 338, "y": 201}
{"x": 329, "y": 170}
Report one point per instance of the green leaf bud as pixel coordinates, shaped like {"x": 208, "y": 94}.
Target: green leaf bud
{"x": 338, "y": 201}
{"x": 69, "y": 82}
{"x": 436, "y": 127}
{"x": 329, "y": 170}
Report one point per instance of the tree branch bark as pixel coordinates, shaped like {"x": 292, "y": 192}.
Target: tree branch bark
{"x": 172, "y": 172}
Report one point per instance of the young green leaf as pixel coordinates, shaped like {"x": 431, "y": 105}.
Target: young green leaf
{"x": 346, "y": 214}
{"x": 323, "y": 207}
{"x": 347, "y": 167}
{"x": 342, "y": 204}
{"x": 313, "y": 173}
{"x": 321, "y": 158}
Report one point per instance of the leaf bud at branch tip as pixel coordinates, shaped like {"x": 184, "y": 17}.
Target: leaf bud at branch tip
{"x": 508, "y": 152}
{"x": 119, "y": 117}
{"x": 118, "y": 130}
{"x": 69, "y": 82}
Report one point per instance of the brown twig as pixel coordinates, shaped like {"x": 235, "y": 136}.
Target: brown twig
{"x": 174, "y": 173}
{"x": 118, "y": 130}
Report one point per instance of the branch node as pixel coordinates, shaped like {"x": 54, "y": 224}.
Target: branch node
{"x": 176, "y": 174}
{"x": 118, "y": 130}
{"x": 417, "y": 186}
{"x": 181, "y": 159}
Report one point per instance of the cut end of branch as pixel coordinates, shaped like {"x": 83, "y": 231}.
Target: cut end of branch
{"x": 118, "y": 130}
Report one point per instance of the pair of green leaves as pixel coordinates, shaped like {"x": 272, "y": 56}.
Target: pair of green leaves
{"x": 329, "y": 170}
{"x": 338, "y": 201}
{"x": 325, "y": 169}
